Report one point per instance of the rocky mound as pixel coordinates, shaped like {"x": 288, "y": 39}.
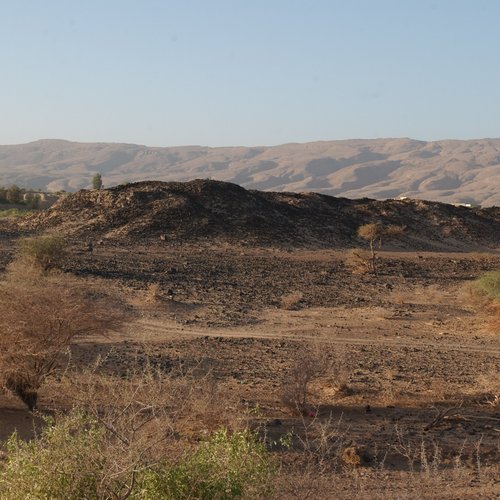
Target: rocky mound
{"x": 223, "y": 212}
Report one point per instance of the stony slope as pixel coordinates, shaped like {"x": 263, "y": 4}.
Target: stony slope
{"x": 447, "y": 171}
{"x": 214, "y": 211}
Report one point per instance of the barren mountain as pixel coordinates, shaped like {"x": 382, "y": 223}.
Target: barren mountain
{"x": 447, "y": 171}
{"x": 214, "y": 211}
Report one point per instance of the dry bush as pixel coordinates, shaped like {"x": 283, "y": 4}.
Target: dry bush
{"x": 188, "y": 401}
{"x": 411, "y": 466}
{"x": 322, "y": 450}
{"x": 495, "y": 321}
{"x": 334, "y": 383}
{"x": 359, "y": 261}
{"x": 138, "y": 413}
{"x": 384, "y": 483}
{"x": 39, "y": 317}
{"x": 323, "y": 444}
{"x": 153, "y": 294}
{"x": 484, "y": 295}
{"x": 469, "y": 295}
{"x": 488, "y": 389}
{"x": 370, "y": 232}
{"x": 149, "y": 415}
{"x": 291, "y": 301}
{"x": 423, "y": 456}
{"x": 309, "y": 363}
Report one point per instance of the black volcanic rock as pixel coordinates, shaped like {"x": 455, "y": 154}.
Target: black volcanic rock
{"x": 224, "y": 212}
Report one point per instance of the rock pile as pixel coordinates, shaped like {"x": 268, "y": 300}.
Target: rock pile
{"x": 201, "y": 210}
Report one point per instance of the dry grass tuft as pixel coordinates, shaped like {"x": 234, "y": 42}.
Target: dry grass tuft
{"x": 359, "y": 261}
{"x": 153, "y": 294}
{"x": 291, "y": 301}
{"x": 351, "y": 456}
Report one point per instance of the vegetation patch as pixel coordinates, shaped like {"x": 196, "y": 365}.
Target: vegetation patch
{"x": 15, "y": 212}
{"x": 226, "y": 466}
{"x": 488, "y": 285}
{"x": 46, "y": 252}
{"x": 65, "y": 461}
{"x": 74, "y": 457}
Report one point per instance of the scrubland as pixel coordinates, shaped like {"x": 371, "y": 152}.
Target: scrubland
{"x": 215, "y": 370}
{"x": 181, "y": 373}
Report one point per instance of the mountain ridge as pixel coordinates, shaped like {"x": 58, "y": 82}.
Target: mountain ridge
{"x": 450, "y": 171}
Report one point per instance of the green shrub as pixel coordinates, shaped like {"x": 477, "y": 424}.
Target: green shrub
{"x": 15, "y": 212}
{"x": 65, "y": 461}
{"x": 488, "y": 285}
{"x": 227, "y": 466}
{"x": 97, "y": 181}
{"x": 76, "y": 457}
{"x": 47, "y": 251}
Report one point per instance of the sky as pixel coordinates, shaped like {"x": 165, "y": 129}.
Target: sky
{"x": 248, "y": 72}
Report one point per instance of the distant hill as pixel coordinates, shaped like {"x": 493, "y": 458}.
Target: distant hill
{"x": 448, "y": 171}
{"x": 214, "y": 211}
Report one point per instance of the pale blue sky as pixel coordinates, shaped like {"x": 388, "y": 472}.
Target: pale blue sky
{"x": 235, "y": 72}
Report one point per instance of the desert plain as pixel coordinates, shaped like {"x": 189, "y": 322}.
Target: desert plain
{"x": 401, "y": 366}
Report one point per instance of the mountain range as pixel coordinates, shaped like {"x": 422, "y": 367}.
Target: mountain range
{"x": 451, "y": 171}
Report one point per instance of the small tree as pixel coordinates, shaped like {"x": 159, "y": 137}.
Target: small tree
{"x": 14, "y": 194}
{"x": 97, "y": 181}
{"x": 40, "y": 315}
{"x": 32, "y": 201}
{"x": 374, "y": 232}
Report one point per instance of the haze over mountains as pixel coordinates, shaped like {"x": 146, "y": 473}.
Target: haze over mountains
{"x": 448, "y": 171}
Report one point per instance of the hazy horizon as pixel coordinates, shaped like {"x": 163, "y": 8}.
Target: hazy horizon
{"x": 187, "y": 145}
